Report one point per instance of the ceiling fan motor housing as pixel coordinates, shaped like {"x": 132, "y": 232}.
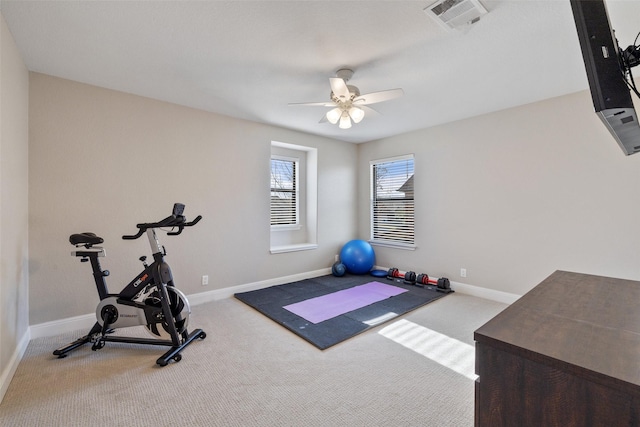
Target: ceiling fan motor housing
{"x": 345, "y": 74}
{"x": 353, "y": 91}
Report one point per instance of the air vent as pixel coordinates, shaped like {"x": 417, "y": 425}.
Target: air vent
{"x": 454, "y": 14}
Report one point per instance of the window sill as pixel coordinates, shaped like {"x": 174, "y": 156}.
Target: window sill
{"x": 402, "y": 246}
{"x": 293, "y": 248}
{"x": 286, "y": 227}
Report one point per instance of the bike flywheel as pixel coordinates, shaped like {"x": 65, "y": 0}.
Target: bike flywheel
{"x": 180, "y": 311}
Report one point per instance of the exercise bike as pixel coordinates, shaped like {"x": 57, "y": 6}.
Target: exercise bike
{"x": 150, "y": 299}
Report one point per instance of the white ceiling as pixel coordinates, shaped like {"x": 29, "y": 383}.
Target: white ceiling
{"x": 249, "y": 59}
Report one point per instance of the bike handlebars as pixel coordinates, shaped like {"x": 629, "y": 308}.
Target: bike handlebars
{"x": 171, "y": 221}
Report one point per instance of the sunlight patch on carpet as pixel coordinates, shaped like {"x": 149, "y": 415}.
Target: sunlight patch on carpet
{"x": 442, "y": 349}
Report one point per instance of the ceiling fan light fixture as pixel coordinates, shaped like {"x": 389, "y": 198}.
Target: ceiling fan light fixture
{"x": 345, "y": 121}
{"x": 356, "y": 114}
{"x": 334, "y": 115}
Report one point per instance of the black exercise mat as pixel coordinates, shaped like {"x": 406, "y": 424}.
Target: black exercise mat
{"x": 270, "y": 302}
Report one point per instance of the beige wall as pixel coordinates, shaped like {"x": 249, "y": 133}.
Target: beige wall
{"x": 510, "y": 196}
{"x": 14, "y": 132}
{"x": 514, "y": 195}
{"x": 102, "y": 161}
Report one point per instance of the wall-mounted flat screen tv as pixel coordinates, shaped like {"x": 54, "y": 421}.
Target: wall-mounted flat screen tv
{"x": 608, "y": 72}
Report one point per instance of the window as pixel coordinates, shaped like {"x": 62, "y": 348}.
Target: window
{"x": 293, "y": 198}
{"x": 392, "y": 204}
{"x": 284, "y": 191}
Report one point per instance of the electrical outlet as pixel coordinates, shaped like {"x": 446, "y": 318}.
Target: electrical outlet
{"x": 463, "y": 272}
{"x": 205, "y": 280}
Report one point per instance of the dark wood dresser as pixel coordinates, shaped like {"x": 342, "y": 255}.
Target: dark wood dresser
{"x": 565, "y": 354}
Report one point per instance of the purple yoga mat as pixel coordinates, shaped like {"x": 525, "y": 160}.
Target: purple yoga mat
{"x": 319, "y": 309}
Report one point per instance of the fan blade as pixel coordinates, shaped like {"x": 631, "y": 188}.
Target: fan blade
{"x": 368, "y": 111}
{"x": 339, "y": 88}
{"x": 312, "y": 104}
{"x": 375, "y": 97}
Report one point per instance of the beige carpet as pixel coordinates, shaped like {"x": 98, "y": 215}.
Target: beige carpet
{"x": 250, "y": 371}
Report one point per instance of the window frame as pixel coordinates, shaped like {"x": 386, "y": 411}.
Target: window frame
{"x": 295, "y": 192}
{"x": 408, "y": 223}
{"x": 306, "y": 237}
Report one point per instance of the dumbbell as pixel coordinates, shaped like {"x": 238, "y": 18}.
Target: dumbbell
{"x": 409, "y": 276}
{"x": 442, "y": 283}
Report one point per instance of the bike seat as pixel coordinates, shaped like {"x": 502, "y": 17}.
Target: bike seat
{"x": 85, "y": 239}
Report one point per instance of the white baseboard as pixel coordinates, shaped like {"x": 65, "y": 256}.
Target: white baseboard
{"x": 218, "y": 294}
{"x": 16, "y": 357}
{"x": 477, "y": 291}
{"x": 57, "y": 327}
{"x": 490, "y": 294}
{"x": 86, "y": 321}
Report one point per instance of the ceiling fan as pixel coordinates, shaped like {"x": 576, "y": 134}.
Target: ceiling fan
{"x": 348, "y": 105}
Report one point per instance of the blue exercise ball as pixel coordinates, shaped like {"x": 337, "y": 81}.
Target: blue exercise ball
{"x": 338, "y": 269}
{"x": 358, "y": 256}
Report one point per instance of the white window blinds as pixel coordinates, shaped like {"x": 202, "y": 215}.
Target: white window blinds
{"x": 284, "y": 191}
{"x": 392, "y": 209}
